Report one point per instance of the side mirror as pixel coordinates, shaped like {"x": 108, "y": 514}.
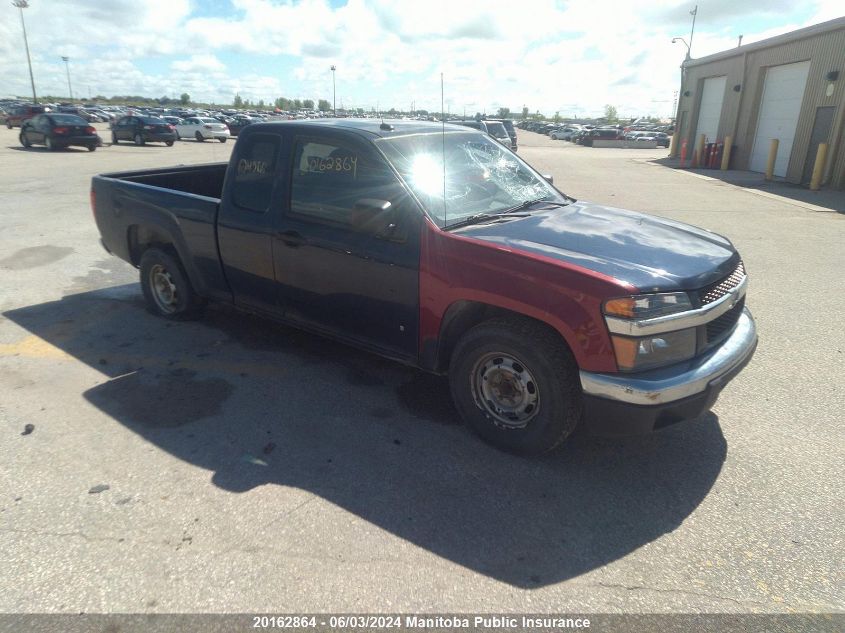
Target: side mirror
{"x": 549, "y": 178}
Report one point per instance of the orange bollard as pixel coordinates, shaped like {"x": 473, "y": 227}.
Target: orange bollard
{"x": 683, "y": 152}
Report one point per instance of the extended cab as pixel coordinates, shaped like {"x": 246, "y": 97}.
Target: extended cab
{"x": 438, "y": 247}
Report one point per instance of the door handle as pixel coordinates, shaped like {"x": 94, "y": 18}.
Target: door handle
{"x": 291, "y": 238}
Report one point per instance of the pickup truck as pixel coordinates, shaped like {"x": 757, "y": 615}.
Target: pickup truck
{"x": 436, "y": 246}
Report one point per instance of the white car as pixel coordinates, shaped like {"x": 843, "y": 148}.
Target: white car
{"x": 564, "y": 134}
{"x": 202, "y": 128}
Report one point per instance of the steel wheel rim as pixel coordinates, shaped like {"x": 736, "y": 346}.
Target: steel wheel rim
{"x": 506, "y": 390}
{"x": 164, "y": 291}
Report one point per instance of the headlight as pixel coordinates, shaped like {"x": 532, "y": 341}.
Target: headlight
{"x": 646, "y": 352}
{"x": 648, "y": 306}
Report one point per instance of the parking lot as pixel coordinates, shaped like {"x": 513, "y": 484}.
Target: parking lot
{"x": 233, "y": 465}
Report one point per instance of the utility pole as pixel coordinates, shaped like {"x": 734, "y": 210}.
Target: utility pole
{"x": 23, "y": 4}
{"x": 693, "y": 13}
{"x": 67, "y": 69}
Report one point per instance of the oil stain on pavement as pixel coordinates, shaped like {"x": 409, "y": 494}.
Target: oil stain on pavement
{"x": 34, "y": 256}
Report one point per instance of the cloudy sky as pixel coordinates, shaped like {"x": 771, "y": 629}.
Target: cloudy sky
{"x": 569, "y": 57}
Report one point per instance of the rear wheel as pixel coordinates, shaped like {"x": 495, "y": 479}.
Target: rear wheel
{"x": 92, "y": 147}
{"x": 517, "y": 385}
{"x": 49, "y": 143}
{"x": 166, "y": 287}
{"x": 113, "y": 138}
{"x": 199, "y": 137}
{"x": 9, "y": 124}
{"x": 24, "y": 140}
{"x": 222, "y": 139}
{"x": 139, "y": 140}
{"x": 169, "y": 143}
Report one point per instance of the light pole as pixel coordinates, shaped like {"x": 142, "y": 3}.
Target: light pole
{"x": 693, "y": 13}
{"x": 673, "y": 152}
{"x": 334, "y": 92}
{"x": 23, "y": 4}
{"x": 67, "y": 69}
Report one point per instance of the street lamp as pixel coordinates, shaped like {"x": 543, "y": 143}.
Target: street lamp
{"x": 67, "y": 68}
{"x": 334, "y": 92}
{"x": 23, "y": 4}
{"x": 680, "y": 39}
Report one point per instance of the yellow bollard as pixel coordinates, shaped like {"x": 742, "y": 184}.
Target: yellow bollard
{"x": 773, "y": 154}
{"x": 818, "y": 168}
{"x": 726, "y": 152}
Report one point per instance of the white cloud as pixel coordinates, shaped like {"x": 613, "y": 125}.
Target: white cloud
{"x": 572, "y": 58}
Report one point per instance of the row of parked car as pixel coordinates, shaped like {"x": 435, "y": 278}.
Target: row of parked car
{"x": 190, "y": 123}
{"x": 59, "y": 130}
{"x": 587, "y": 134}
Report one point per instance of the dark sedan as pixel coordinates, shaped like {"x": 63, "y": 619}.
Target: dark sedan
{"x": 58, "y": 131}
{"x": 142, "y": 129}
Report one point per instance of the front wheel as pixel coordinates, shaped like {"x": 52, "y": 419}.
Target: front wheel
{"x": 139, "y": 140}
{"x": 166, "y": 287}
{"x": 92, "y": 147}
{"x": 169, "y": 143}
{"x": 222, "y": 139}
{"x": 113, "y": 138}
{"x": 517, "y": 385}
{"x": 49, "y": 143}
{"x": 24, "y": 140}
{"x": 199, "y": 137}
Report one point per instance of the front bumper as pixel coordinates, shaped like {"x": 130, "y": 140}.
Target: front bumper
{"x": 628, "y": 404}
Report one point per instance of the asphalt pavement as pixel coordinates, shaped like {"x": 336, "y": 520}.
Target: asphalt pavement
{"x": 235, "y": 465}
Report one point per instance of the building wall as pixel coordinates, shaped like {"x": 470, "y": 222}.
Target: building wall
{"x": 823, "y": 46}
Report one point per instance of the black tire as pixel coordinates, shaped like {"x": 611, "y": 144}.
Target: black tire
{"x": 222, "y": 139}
{"x": 549, "y": 390}
{"x": 92, "y": 147}
{"x": 24, "y": 141}
{"x": 49, "y": 143}
{"x": 139, "y": 140}
{"x": 199, "y": 137}
{"x": 113, "y": 138}
{"x": 169, "y": 143}
{"x": 166, "y": 287}
{"x": 9, "y": 124}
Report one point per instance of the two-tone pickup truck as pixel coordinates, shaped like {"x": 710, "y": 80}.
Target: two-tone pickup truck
{"x": 438, "y": 247}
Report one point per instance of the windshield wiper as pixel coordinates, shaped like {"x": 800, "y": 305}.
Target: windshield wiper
{"x": 478, "y": 218}
{"x": 530, "y": 203}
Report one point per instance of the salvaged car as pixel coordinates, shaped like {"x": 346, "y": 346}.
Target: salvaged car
{"x": 438, "y": 247}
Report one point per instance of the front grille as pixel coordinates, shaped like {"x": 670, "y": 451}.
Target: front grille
{"x": 720, "y": 327}
{"x": 716, "y": 291}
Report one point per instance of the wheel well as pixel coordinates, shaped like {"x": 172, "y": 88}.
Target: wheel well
{"x": 142, "y": 238}
{"x": 464, "y": 315}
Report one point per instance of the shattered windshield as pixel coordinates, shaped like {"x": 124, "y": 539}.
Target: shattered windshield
{"x": 481, "y": 176}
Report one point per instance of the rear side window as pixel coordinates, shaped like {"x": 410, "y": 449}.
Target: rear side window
{"x": 255, "y": 172}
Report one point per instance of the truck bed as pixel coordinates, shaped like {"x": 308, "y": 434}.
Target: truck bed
{"x": 200, "y": 180}
{"x": 172, "y": 205}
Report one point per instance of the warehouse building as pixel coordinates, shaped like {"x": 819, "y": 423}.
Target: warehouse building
{"x": 790, "y": 87}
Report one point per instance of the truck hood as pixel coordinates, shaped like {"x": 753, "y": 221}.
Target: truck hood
{"x": 654, "y": 254}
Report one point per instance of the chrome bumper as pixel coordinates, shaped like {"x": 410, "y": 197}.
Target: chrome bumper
{"x": 669, "y": 384}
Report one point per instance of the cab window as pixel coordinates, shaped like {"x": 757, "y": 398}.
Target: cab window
{"x": 255, "y": 172}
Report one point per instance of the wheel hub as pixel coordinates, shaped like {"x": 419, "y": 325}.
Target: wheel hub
{"x": 164, "y": 290}
{"x": 506, "y": 390}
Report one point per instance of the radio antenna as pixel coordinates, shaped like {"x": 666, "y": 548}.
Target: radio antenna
{"x": 443, "y": 139}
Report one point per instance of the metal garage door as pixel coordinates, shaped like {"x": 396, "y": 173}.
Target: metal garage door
{"x": 710, "y": 109}
{"x": 779, "y": 110}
